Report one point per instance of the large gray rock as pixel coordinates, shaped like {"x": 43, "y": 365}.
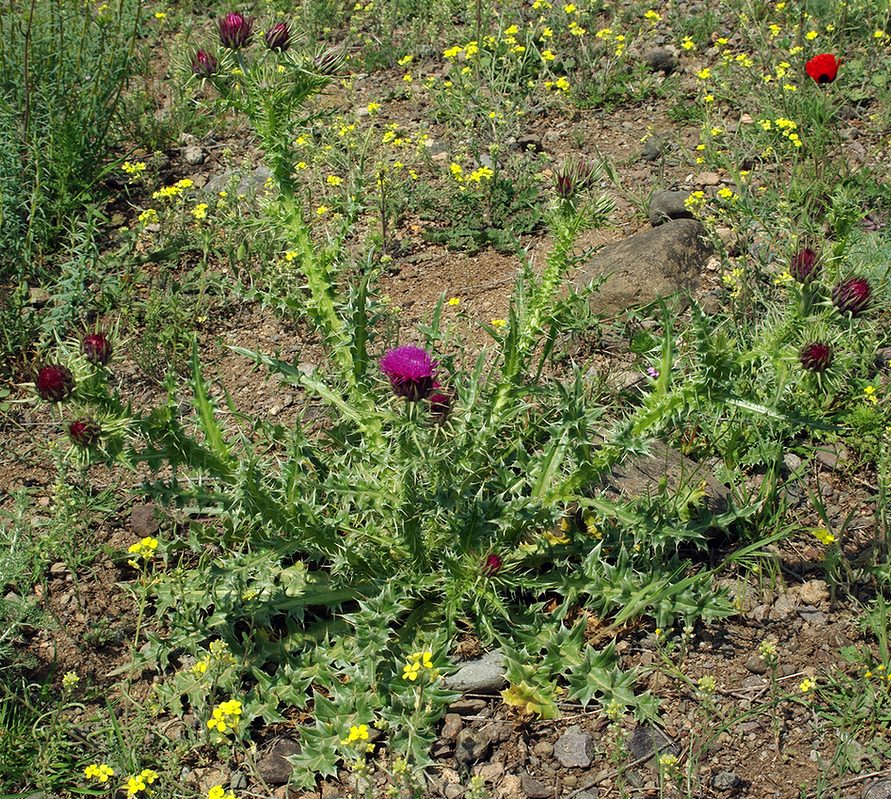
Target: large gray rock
{"x": 642, "y": 476}
{"x": 878, "y": 790}
{"x": 647, "y": 266}
{"x": 273, "y": 765}
{"x": 658, "y": 59}
{"x": 484, "y": 675}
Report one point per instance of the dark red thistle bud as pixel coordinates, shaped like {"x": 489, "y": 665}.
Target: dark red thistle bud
{"x": 54, "y": 383}
{"x": 278, "y": 37}
{"x": 823, "y": 68}
{"x": 440, "y": 404}
{"x": 852, "y": 296}
{"x": 204, "y": 64}
{"x": 410, "y": 370}
{"x": 804, "y": 265}
{"x": 84, "y": 432}
{"x": 492, "y": 564}
{"x": 96, "y": 348}
{"x": 329, "y": 62}
{"x": 816, "y": 356}
{"x": 235, "y": 30}
{"x": 574, "y": 176}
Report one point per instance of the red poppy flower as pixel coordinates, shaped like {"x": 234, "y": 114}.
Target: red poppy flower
{"x": 823, "y": 68}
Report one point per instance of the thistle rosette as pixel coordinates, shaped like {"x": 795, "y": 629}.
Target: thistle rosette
{"x": 410, "y": 371}
{"x": 235, "y": 30}
{"x": 54, "y": 383}
{"x": 852, "y": 296}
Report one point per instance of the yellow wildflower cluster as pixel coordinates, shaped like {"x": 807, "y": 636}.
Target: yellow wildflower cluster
{"x": 148, "y": 217}
{"x": 498, "y": 323}
{"x": 173, "y": 191}
{"x": 807, "y": 685}
{"x": 134, "y": 169}
{"x": 879, "y": 673}
{"x": 733, "y": 281}
{"x": 139, "y": 783}
{"x": 727, "y": 194}
{"x": 226, "y": 716}
{"x": 70, "y": 680}
{"x": 100, "y": 772}
{"x": 869, "y": 394}
{"x": 358, "y": 736}
{"x": 200, "y": 211}
{"x": 219, "y": 792}
{"x": 219, "y": 654}
{"x": 559, "y": 85}
{"x": 144, "y": 549}
{"x": 695, "y": 201}
{"x": 416, "y": 662}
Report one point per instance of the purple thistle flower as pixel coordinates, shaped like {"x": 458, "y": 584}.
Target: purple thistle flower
{"x": 653, "y": 372}
{"x": 55, "y": 383}
{"x": 816, "y": 356}
{"x": 204, "y": 64}
{"x": 803, "y": 266}
{"x": 278, "y": 37}
{"x": 84, "y": 432}
{"x": 96, "y": 348}
{"x": 410, "y": 370}
{"x": 852, "y": 295}
{"x": 235, "y": 30}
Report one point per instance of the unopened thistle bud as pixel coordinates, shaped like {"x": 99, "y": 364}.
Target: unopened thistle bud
{"x": 492, "y": 564}
{"x": 84, "y": 432}
{"x": 204, "y": 65}
{"x": 96, "y": 348}
{"x": 235, "y": 30}
{"x": 852, "y": 296}
{"x": 329, "y": 62}
{"x": 54, "y": 383}
{"x": 816, "y": 356}
{"x": 803, "y": 266}
{"x": 574, "y": 176}
{"x": 278, "y": 37}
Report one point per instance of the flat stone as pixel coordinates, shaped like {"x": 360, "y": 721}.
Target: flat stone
{"x": 193, "y": 154}
{"x": 644, "y": 742}
{"x": 574, "y": 749}
{"x": 878, "y": 790}
{"x": 451, "y": 726}
{"x": 707, "y": 179}
{"x": 813, "y": 592}
{"x": 653, "y": 148}
{"x": 143, "y": 521}
{"x": 658, "y": 59}
{"x": 648, "y": 266}
{"x": 725, "y": 781}
{"x": 510, "y": 787}
{"x": 666, "y": 205}
{"x": 756, "y": 665}
{"x": 272, "y": 765}
{"x": 813, "y": 616}
{"x": 467, "y": 707}
{"x": 533, "y": 788}
{"x": 642, "y": 476}
{"x": 783, "y": 608}
{"x": 484, "y": 675}
{"x": 471, "y": 746}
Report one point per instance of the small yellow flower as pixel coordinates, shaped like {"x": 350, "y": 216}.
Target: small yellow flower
{"x": 407, "y": 77}
{"x": 879, "y": 34}
{"x": 723, "y": 41}
{"x": 811, "y": 35}
{"x": 322, "y": 210}
{"x": 373, "y": 108}
{"x": 726, "y": 194}
{"x": 562, "y": 84}
{"x": 333, "y": 180}
{"x": 823, "y": 536}
{"x": 145, "y": 548}
{"x": 200, "y": 211}
{"x": 219, "y": 792}
{"x": 99, "y": 772}
{"x": 807, "y": 685}
{"x": 869, "y": 394}
{"x": 160, "y": 15}
{"x": 498, "y": 323}
{"x": 704, "y": 74}
{"x": 547, "y": 55}
{"x": 405, "y": 60}
{"x": 454, "y": 301}
{"x": 687, "y": 44}
{"x": 452, "y": 52}
{"x": 570, "y": 8}
{"x": 652, "y": 16}
{"x": 70, "y": 680}
{"x": 709, "y": 98}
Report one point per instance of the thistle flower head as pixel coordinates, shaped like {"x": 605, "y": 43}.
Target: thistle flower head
{"x": 204, "y": 64}
{"x": 816, "y": 356}
{"x": 823, "y": 68}
{"x": 852, "y": 296}
{"x": 235, "y": 30}
{"x": 278, "y": 37}
{"x": 492, "y": 563}
{"x": 84, "y": 432}
{"x": 54, "y": 383}
{"x": 574, "y": 176}
{"x": 96, "y": 348}
{"x": 803, "y": 266}
{"x": 410, "y": 370}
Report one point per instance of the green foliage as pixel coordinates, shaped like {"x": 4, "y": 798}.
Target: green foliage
{"x": 57, "y": 128}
